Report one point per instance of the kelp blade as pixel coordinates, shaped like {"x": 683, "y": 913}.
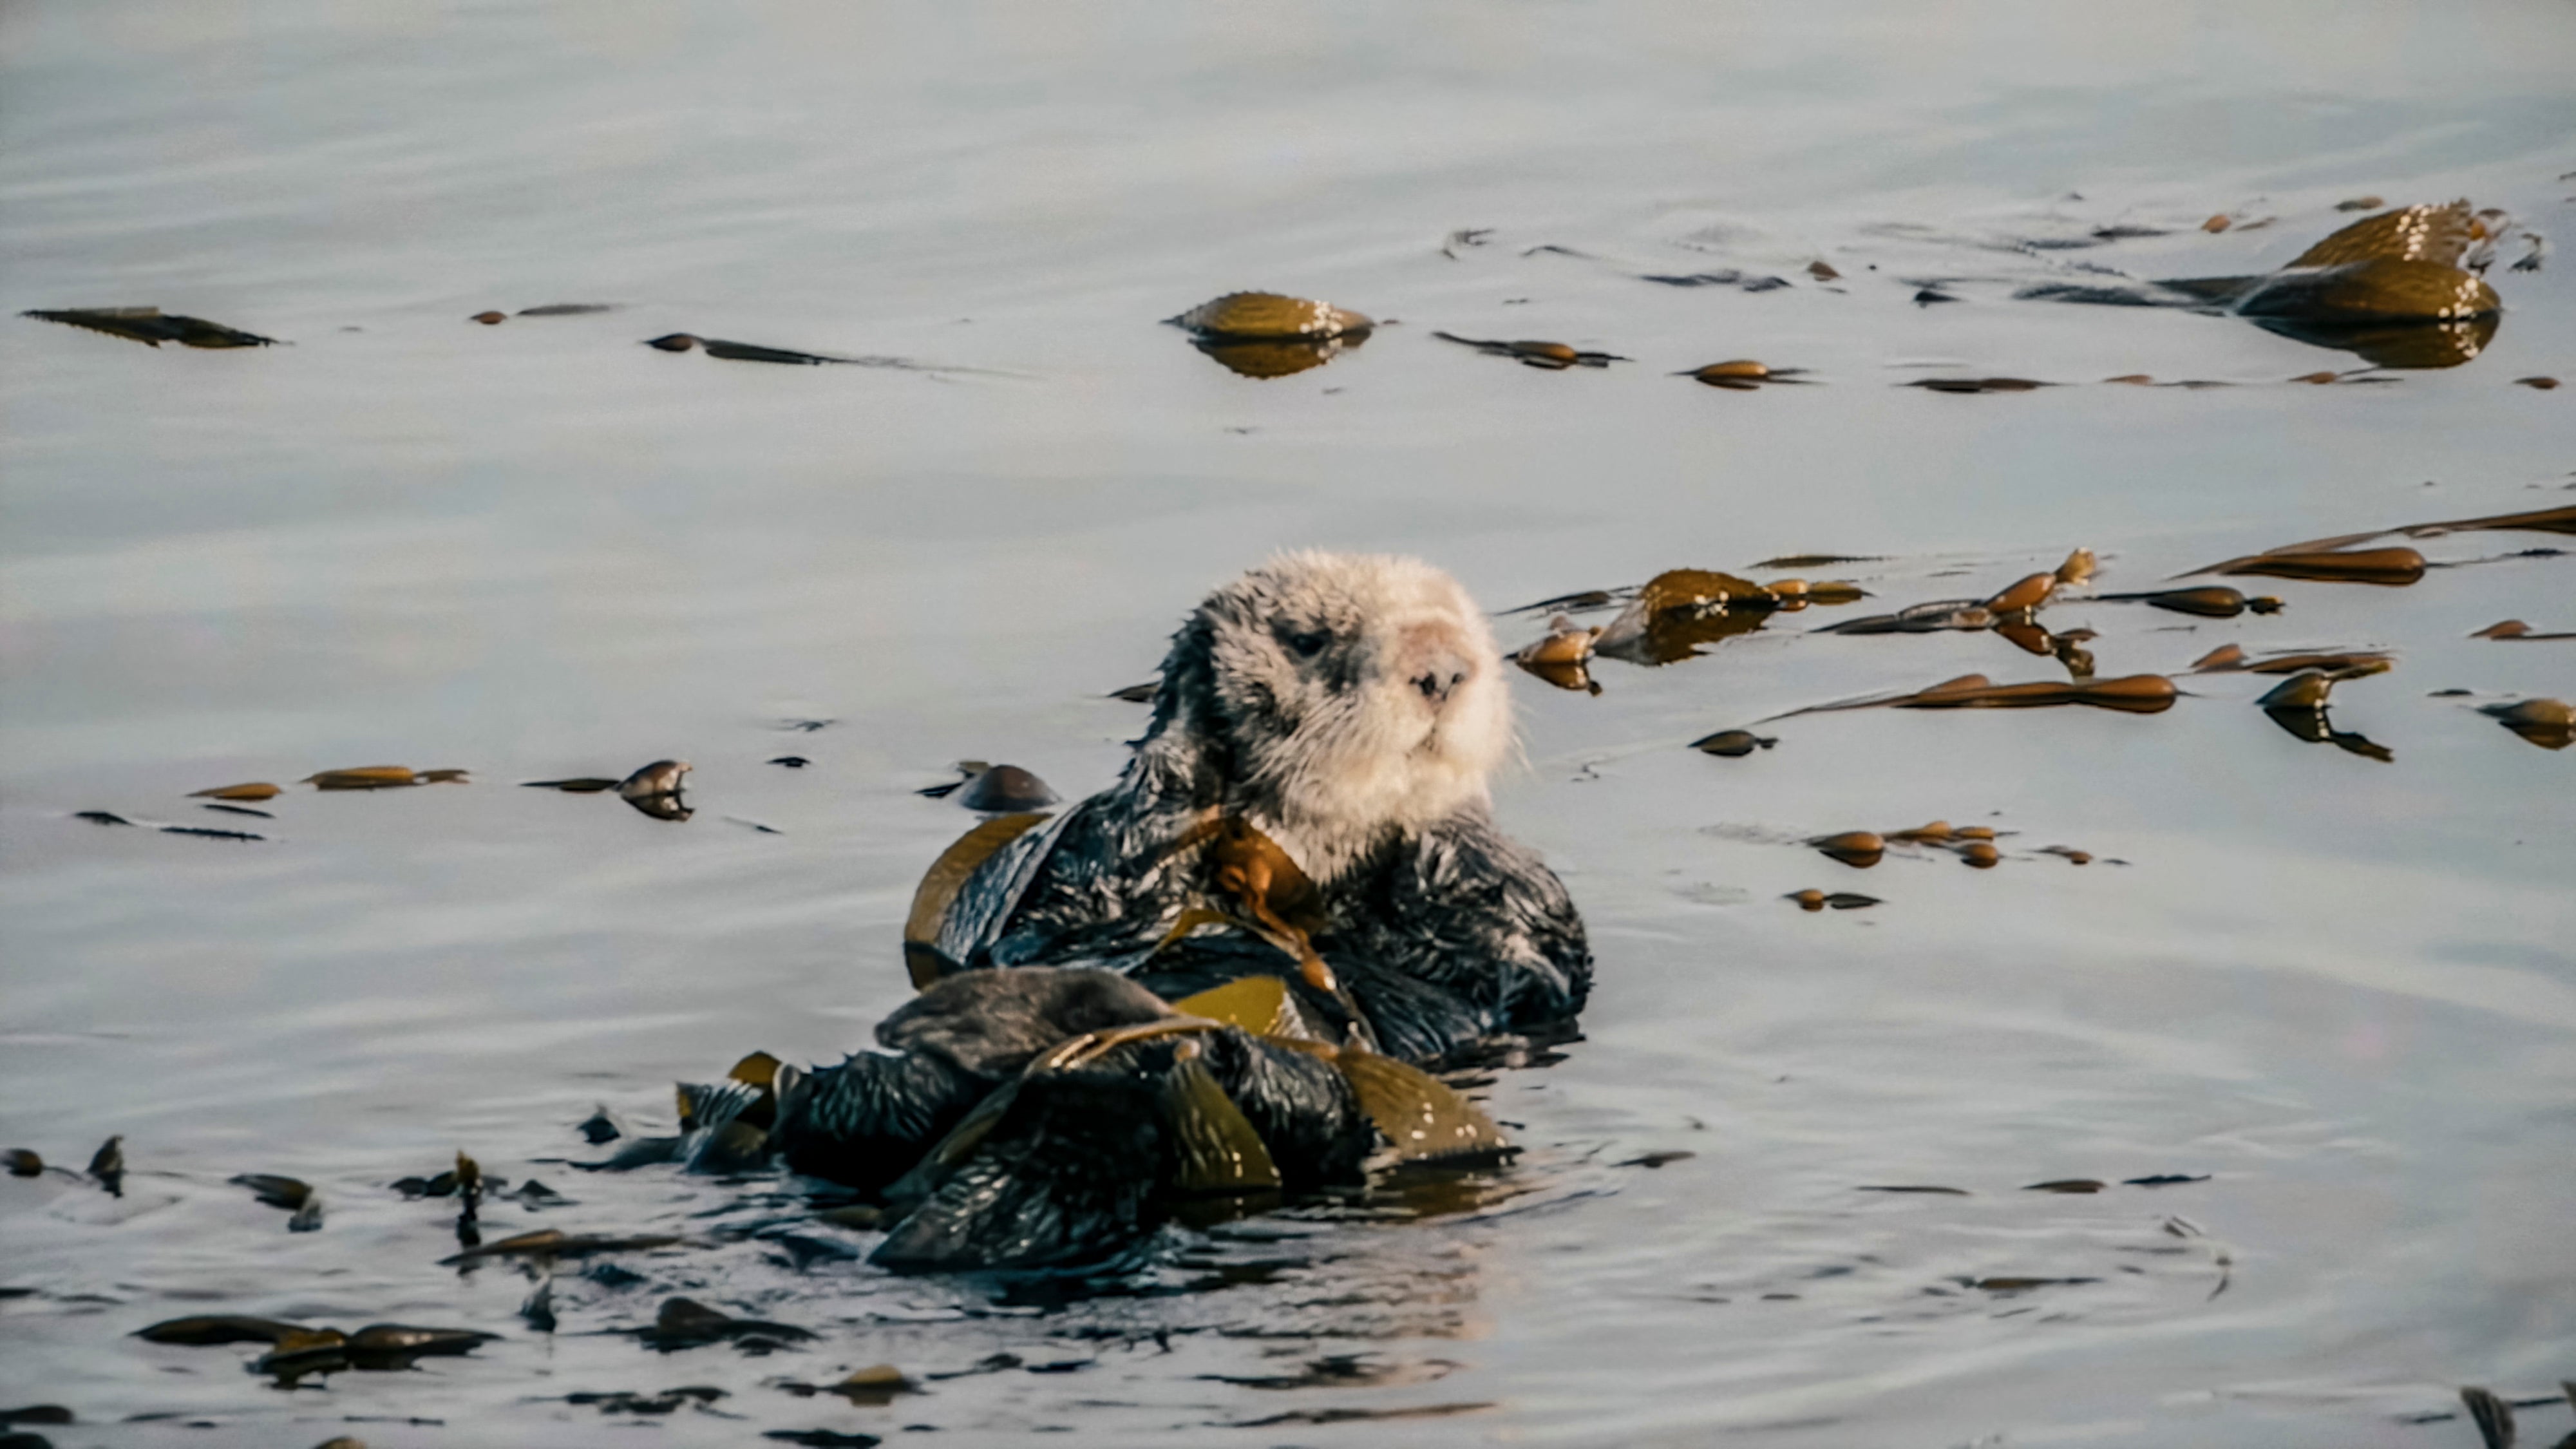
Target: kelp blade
{"x": 1421, "y": 1116}
{"x": 941, "y": 883}
{"x": 1214, "y": 1145}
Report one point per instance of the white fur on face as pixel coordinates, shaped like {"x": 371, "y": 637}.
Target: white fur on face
{"x": 1364, "y": 696}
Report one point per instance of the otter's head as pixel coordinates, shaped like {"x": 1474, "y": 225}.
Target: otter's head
{"x": 1338, "y": 699}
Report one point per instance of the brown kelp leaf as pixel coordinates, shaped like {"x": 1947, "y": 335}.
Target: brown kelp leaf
{"x": 443, "y": 777}
{"x": 1977, "y": 384}
{"x": 151, "y": 327}
{"x": 363, "y": 777}
{"x": 275, "y": 1190}
{"x": 1974, "y": 832}
{"x": 1823, "y": 271}
{"x": 1269, "y": 315}
{"x": 2215, "y": 601}
{"x": 1743, "y": 373}
{"x": 1655, "y": 1159}
{"x": 938, "y": 890}
{"x": 875, "y": 1386}
{"x": 1980, "y": 854}
{"x": 1258, "y": 1004}
{"x": 685, "y": 1322}
{"x": 1565, "y": 643}
{"x": 207, "y": 1330}
{"x": 2067, "y": 1184}
{"x": 2492, "y": 1415}
{"x": 1215, "y": 1148}
{"x": 2437, "y": 234}
{"x": 2306, "y": 689}
{"x": 2163, "y": 1179}
{"x": 490, "y": 319}
{"x": 1733, "y": 744}
{"x": 318, "y": 1351}
{"x": 2392, "y": 567}
{"x": 1265, "y": 358}
{"x": 556, "y": 1243}
{"x": 1937, "y": 832}
{"x": 2516, "y": 629}
{"x": 2073, "y": 856}
{"x": 577, "y": 785}
{"x": 2548, "y": 723}
{"x": 662, "y": 777}
{"x": 407, "y": 1340}
{"x": 101, "y": 817}
{"x": 1576, "y": 677}
{"x": 2218, "y": 223}
{"x": 1138, "y": 693}
{"x": 2538, "y": 520}
{"x": 1007, "y": 789}
{"x": 567, "y": 309}
{"x": 1809, "y": 899}
{"x": 1551, "y": 356}
{"x": 2360, "y": 203}
{"x": 2134, "y": 694}
{"x": 108, "y": 1164}
{"x": 23, "y": 1162}
{"x": 1814, "y": 560}
{"x": 1697, "y": 590}
{"x": 2318, "y": 379}
{"x": 737, "y": 351}
{"x": 1909, "y": 1187}
{"x": 1858, "y": 848}
{"x": 2077, "y": 569}
{"x": 1420, "y": 1116}
{"x": 256, "y": 790}
{"x": 2020, "y": 1285}
{"x": 1816, "y": 900}
{"x": 2023, "y": 596}
{"x": 2540, "y": 384}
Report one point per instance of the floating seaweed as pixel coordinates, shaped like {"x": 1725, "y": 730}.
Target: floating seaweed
{"x": 1816, "y": 900}
{"x": 381, "y": 777}
{"x": 1976, "y": 384}
{"x": 656, "y": 790}
{"x": 552, "y": 1243}
{"x": 2516, "y": 629}
{"x": 152, "y": 327}
{"x": 577, "y": 785}
{"x": 1269, "y": 316}
{"x": 744, "y": 351}
{"x": 1724, "y": 277}
{"x": 687, "y": 1323}
{"x": 2130, "y": 694}
{"x": 2298, "y": 706}
{"x": 2399, "y": 289}
{"x": 1744, "y": 374}
{"x": 2548, "y": 723}
{"x": 1859, "y": 849}
{"x": 1551, "y": 356}
{"x": 1733, "y": 744}
{"x": 991, "y": 789}
{"x": 2211, "y": 602}
{"x": 256, "y": 790}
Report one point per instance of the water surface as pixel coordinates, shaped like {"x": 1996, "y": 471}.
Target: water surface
{"x": 2342, "y": 989}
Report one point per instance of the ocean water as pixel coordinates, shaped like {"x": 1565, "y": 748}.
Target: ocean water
{"x": 2341, "y": 989}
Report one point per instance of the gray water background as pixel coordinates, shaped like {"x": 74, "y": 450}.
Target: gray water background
{"x": 2346, "y": 990}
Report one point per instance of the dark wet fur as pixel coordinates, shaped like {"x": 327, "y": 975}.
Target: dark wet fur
{"x": 1066, "y": 1178}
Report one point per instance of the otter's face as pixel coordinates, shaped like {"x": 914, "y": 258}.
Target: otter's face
{"x": 1361, "y": 697}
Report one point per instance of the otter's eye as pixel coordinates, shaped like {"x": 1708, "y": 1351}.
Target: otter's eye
{"x": 1309, "y": 645}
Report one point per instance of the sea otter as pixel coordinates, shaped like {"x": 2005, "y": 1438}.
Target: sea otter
{"x": 1314, "y": 787}
{"x": 1352, "y": 709}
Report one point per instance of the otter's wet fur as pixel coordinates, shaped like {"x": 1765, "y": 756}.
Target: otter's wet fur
{"x": 1353, "y": 708}
{"x": 1074, "y": 1164}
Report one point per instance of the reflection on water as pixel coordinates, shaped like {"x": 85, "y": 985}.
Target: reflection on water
{"x": 2329, "y": 1010}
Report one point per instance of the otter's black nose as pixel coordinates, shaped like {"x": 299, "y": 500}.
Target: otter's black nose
{"x": 1436, "y": 682}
